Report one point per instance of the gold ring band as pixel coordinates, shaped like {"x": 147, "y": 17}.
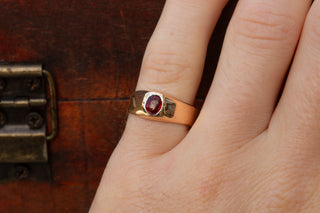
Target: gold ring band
{"x": 159, "y": 107}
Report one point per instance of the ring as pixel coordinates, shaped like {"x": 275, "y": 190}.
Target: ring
{"x": 159, "y": 107}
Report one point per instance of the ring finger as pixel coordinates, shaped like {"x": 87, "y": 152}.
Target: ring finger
{"x": 173, "y": 65}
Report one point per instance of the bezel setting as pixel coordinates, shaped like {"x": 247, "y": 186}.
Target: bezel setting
{"x": 145, "y": 101}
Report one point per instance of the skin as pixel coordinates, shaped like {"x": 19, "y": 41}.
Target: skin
{"x": 246, "y": 152}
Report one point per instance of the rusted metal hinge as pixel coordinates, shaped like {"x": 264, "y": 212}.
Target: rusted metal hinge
{"x": 26, "y": 92}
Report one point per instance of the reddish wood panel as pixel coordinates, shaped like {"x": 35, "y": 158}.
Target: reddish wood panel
{"x": 94, "y": 48}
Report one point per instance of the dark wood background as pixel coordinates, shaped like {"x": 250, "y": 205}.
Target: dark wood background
{"x": 94, "y": 49}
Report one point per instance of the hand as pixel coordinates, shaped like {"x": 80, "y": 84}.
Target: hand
{"x": 246, "y": 152}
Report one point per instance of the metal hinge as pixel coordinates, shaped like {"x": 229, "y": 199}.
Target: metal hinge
{"x": 26, "y": 91}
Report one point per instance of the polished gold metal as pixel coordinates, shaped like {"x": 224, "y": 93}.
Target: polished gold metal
{"x": 172, "y": 110}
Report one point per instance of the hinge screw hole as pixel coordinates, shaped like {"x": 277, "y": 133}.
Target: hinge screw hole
{"x": 34, "y": 120}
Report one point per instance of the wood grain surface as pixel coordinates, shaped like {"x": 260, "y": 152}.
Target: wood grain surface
{"x": 94, "y": 49}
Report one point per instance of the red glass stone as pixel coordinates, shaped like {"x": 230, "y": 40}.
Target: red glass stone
{"x": 154, "y": 104}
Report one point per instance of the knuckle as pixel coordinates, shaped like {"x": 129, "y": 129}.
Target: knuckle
{"x": 286, "y": 177}
{"x": 259, "y": 25}
{"x": 279, "y": 192}
{"x": 211, "y": 177}
{"x": 165, "y": 68}
{"x": 134, "y": 184}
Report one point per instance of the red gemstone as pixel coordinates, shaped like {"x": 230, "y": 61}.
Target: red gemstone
{"x": 154, "y": 104}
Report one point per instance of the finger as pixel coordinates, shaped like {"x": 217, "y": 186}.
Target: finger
{"x": 259, "y": 46}
{"x": 298, "y": 113}
{"x": 173, "y": 65}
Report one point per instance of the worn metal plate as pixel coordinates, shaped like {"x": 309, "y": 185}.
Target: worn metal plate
{"x": 23, "y": 149}
{"x": 23, "y": 144}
